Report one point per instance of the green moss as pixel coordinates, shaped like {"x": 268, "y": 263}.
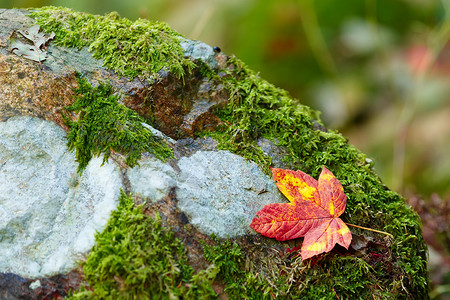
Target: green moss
{"x": 104, "y": 125}
{"x": 136, "y": 258}
{"x": 347, "y": 277}
{"x": 240, "y": 284}
{"x": 141, "y": 48}
{"x": 342, "y": 276}
{"x": 257, "y": 109}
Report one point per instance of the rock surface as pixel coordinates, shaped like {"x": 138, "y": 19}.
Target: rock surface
{"x": 48, "y": 213}
{"x": 220, "y": 192}
{"x": 152, "y": 180}
{"x": 199, "y": 50}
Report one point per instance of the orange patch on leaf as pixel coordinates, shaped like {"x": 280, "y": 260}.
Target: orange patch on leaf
{"x": 312, "y": 213}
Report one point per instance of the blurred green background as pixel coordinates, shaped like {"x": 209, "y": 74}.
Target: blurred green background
{"x": 379, "y": 70}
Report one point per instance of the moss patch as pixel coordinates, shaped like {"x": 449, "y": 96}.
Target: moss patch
{"x": 140, "y": 48}
{"x": 104, "y": 125}
{"x": 229, "y": 260}
{"x": 266, "y": 272}
{"x": 136, "y": 258}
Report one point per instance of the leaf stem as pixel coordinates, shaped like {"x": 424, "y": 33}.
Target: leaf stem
{"x": 370, "y": 229}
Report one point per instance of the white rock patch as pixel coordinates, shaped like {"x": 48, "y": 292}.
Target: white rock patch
{"x": 48, "y": 213}
{"x": 152, "y": 179}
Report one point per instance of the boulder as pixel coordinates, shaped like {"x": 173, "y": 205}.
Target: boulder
{"x": 162, "y": 146}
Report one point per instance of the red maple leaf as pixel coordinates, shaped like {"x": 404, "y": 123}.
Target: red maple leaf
{"x": 312, "y": 213}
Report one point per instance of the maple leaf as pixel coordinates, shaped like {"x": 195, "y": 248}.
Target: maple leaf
{"x": 312, "y": 212}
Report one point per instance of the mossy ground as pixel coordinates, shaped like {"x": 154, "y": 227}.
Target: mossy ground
{"x": 257, "y": 109}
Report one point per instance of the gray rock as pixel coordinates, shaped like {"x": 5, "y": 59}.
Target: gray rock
{"x": 159, "y": 134}
{"x": 221, "y": 192}
{"x": 152, "y": 179}
{"x": 80, "y": 60}
{"x": 277, "y": 153}
{"x": 48, "y": 213}
{"x": 199, "y": 50}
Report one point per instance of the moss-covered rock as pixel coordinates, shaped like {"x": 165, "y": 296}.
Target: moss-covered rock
{"x": 131, "y": 49}
{"x": 135, "y": 257}
{"x": 244, "y": 114}
{"x": 103, "y": 125}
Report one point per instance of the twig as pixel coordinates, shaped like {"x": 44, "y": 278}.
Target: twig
{"x": 370, "y": 229}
